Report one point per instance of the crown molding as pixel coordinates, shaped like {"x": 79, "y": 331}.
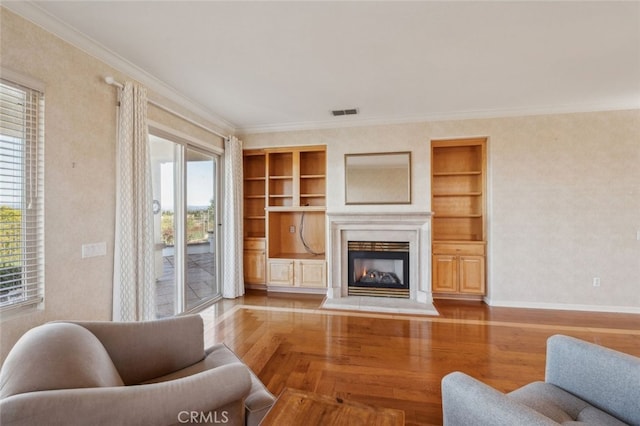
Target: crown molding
{"x": 33, "y": 13}
{"x": 347, "y": 122}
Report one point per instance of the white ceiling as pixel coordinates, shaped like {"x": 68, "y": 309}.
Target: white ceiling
{"x": 286, "y": 65}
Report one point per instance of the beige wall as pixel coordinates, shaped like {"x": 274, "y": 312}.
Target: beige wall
{"x": 80, "y": 123}
{"x": 564, "y": 199}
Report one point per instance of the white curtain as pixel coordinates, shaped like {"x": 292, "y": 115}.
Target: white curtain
{"x": 233, "y": 280}
{"x": 133, "y": 278}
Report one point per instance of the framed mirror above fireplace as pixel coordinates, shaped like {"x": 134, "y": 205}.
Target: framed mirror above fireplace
{"x": 378, "y": 178}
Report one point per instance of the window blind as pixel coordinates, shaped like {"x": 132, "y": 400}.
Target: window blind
{"x": 21, "y": 195}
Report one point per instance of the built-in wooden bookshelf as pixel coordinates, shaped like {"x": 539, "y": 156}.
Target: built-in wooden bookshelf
{"x": 458, "y": 202}
{"x": 280, "y": 170}
{"x": 255, "y": 191}
{"x": 293, "y": 215}
{"x": 312, "y": 178}
{"x": 254, "y": 216}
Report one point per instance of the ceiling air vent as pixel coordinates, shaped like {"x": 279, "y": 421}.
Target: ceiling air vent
{"x": 339, "y": 112}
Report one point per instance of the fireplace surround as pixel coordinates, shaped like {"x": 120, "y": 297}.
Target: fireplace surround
{"x": 396, "y": 227}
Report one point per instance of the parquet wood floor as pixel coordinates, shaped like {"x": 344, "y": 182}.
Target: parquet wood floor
{"x": 398, "y": 361}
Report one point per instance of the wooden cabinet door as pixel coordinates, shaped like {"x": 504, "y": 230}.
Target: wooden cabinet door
{"x": 280, "y": 272}
{"x": 255, "y": 266}
{"x": 472, "y": 274}
{"x": 310, "y": 273}
{"x": 445, "y": 273}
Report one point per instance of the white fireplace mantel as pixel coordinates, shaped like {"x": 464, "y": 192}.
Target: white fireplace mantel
{"x": 413, "y": 227}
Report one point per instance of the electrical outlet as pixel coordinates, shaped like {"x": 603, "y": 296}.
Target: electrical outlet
{"x": 292, "y": 229}
{"x": 596, "y": 281}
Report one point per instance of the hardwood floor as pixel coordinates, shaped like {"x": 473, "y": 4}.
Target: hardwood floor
{"x": 397, "y": 361}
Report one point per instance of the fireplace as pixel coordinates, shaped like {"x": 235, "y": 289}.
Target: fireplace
{"x": 412, "y": 228}
{"x": 378, "y": 268}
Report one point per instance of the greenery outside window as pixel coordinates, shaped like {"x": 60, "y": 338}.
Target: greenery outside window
{"x": 21, "y": 195}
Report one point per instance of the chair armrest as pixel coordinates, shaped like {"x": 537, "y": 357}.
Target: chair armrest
{"x": 469, "y": 402}
{"x": 603, "y": 377}
{"x": 152, "y": 404}
{"x": 144, "y": 350}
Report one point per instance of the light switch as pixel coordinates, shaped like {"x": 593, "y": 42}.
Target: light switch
{"x": 94, "y": 249}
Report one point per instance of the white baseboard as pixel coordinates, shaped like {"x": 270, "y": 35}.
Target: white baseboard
{"x": 298, "y": 290}
{"x": 563, "y": 306}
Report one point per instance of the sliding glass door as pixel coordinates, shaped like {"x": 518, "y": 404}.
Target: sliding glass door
{"x": 185, "y": 188}
{"x": 201, "y": 228}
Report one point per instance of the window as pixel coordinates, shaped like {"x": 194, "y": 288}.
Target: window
{"x": 21, "y": 196}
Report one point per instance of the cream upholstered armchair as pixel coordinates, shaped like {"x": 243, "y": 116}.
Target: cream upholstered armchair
{"x": 145, "y": 373}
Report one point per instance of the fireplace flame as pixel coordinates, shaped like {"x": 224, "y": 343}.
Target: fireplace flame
{"x": 376, "y": 276}
{"x": 365, "y": 274}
